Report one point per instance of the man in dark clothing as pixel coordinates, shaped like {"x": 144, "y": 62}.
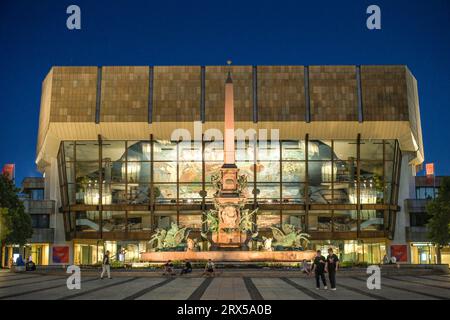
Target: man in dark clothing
{"x": 187, "y": 268}
{"x": 106, "y": 267}
{"x": 332, "y": 267}
{"x": 319, "y": 266}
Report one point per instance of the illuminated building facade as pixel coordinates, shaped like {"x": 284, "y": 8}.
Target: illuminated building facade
{"x": 342, "y": 146}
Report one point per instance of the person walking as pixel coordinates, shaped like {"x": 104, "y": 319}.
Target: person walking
{"x": 319, "y": 266}
{"x": 332, "y": 267}
{"x": 106, "y": 267}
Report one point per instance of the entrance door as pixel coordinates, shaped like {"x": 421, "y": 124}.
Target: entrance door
{"x": 85, "y": 254}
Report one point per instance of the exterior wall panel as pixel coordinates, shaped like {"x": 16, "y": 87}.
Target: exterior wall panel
{"x": 74, "y": 92}
{"x": 333, "y": 93}
{"x": 124, "y": 95}
{"x": 384, "y": 93}
{"x": 281, "y": 93}
{"x": 176, "y": 94}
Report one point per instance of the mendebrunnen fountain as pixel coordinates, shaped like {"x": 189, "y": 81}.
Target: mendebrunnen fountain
{"x": 229, "y": 229}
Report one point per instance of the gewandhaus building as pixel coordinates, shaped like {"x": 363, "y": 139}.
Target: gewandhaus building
{"x": 343, "y": 146}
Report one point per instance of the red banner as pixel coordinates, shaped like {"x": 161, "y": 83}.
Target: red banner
{"x": 429, "y": 169}
{"x": 400, "y": 252}
{"x": 61, "y": 254}
{"x": 8, "y": 170}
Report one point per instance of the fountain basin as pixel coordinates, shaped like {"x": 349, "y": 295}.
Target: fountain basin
{"x": 229, "y": 256}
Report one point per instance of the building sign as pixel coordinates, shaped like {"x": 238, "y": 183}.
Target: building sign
{"x": 60, "y": 254}
{"x": 430, "y": 169}
{"x": 400, "y": 252}
{"x": 8, "y": 170}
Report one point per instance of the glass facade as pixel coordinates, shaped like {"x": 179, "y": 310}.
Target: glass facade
{"x": 346, "y": 188}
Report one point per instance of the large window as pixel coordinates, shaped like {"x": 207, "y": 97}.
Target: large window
{"x": 40, "y": 221}
{"x": 347, "y": 184}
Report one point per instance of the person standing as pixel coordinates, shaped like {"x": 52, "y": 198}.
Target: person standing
{"x": 106, "y": 267}
{"x": 332, "y": 267}
{"x": 319, "y": 266}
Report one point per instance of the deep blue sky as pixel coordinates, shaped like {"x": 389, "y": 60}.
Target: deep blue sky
{"x": 34, "y": 37}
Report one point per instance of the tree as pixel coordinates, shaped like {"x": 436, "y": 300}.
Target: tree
{"x": 15, "y": 223}
{"x": 439, "y": 212}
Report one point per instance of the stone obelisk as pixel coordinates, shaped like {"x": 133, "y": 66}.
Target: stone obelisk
{"x": 228, "y": 199}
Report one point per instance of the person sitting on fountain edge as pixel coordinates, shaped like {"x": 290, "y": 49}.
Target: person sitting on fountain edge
{"x": 168, "y": 268}
{"x": 187, "y": 268}
{"x": 209, "y": 268}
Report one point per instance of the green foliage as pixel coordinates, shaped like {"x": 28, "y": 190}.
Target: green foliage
{"x": 17, "y": 223}
{"x": 4, "y": 224}
{"x": 439, "y": 212}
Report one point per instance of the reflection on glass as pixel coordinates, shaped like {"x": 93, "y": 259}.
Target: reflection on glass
{"x": 165, "y": 219}
{"x": 293, "y": 150}
{"x": 190, "y": 220}
{"x": 245, "y": 151}
{"x": 190, "y": 171}
{"x": 267, "y": 219}
{"x": 190, "y": 151}
{"x": 139, "y": 221}
{"x": 87, "y": 150}
{"x": 294, "y": 171}
{"x": 295, "y": 218}
{"x": 117, "y": 192}
{"x": 329, "y": 171}
{"x": 319, "y": 150}
{"x": 319, "y": 221}
{"x": 166, "y": 193}
{"x": 293, "y": 192}
{"x": 268, "y": 192}
{"x": 268, "y": 151}
{"x": 345, "y": 220}
{"x": 87, "y": 221}
{"x": 139, "y": 151}
{"x": 214, "y": 151}
{"x": 165, "y": 171}
{"x": 371, "y": 220}
{"x": 138, "y": 193}
{"x": 113, "y": 150}
{"x": 164, "y": 150}
{"x": 190, "y": 193}
{"x": 92, "y": 194}
{"x": 268, "y": 171}
{"x": 69, "y": 150}
{"x": 114, "y": 221}
{"x": 345, "y": 149}
{"x": 371, "y": 149}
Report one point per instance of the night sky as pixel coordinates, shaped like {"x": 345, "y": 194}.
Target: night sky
{"x": 34, "y": 37}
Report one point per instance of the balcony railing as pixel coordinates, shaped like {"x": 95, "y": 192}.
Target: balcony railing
{"x": 417, "y": 234}
{"x": 46, "y": 235}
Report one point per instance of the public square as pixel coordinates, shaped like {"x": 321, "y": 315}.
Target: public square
{"x": 230, "y": 285}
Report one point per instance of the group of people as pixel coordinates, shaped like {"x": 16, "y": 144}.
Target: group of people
{"x": 20, "y": 265}
{"x": 187, "y": 268}
{"x": 322, "y": 265}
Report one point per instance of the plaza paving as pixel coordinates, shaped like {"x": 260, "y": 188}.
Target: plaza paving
{"x": 279, "y": 286}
